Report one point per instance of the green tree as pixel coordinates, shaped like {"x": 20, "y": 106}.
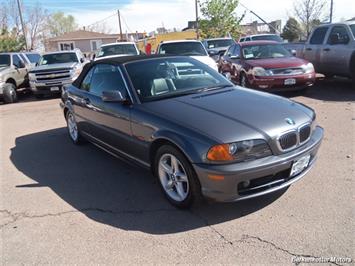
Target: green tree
{"x": 59, "y": 23}
{"x": 11, "y": 42}
{"x": 220, "y": 18}
{"x": 292, "y": 30}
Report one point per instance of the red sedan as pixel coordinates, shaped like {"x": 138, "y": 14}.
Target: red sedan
{"x": 266, "y": 65}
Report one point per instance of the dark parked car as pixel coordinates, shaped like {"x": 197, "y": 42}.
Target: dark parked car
{"x": 266, "y": 65}
{"x": 200, "y": 135}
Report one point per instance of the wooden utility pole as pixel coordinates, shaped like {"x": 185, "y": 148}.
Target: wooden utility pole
{"x": 23, "y": 25}
{"x": 119, "y": 22}
{"x": 331, "y": 11}
{"x": 197, "y": 26}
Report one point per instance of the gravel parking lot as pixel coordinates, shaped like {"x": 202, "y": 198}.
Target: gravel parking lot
{"x": 62, "y": 204}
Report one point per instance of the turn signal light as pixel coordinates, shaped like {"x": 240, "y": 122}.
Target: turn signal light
{"x": 219, "y": 153}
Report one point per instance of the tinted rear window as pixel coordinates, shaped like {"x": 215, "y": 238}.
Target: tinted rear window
{"x": 319, "y": 35}
{"x": 4, "y": 60}
{"x": 182, "y": 48}
{"x": 267, "y": 38}
{"x": 352, "y": 27}
{"x": 118, "y": 49}
{"x": 219, "y": 43}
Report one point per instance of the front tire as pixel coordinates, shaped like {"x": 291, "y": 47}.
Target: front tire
{"x": 177, "y": 178}
{"x": 244, "y": 81}
{"x": 9, "y": 93}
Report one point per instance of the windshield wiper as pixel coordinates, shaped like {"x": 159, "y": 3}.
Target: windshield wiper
{"x": 212, "y": 88}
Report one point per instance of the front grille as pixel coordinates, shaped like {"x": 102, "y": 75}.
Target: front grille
{"x": 288, "y": 140}
{"x": 53, "y": 76}
{"x": 305, "y": 133}
{"x": 287, "y": 71}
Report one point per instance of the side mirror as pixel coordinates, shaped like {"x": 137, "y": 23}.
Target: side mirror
{"x": 234, "y": 57}
{"x": 82, "y": 60}
{"x": 20, "y": 65}
{"x": 212, "y": 52}
{"x": 113, "y": 96}
{"x": 293, "y": 52}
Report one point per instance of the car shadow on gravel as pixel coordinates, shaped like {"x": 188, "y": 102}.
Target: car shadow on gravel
{"x": 111, "y": 191}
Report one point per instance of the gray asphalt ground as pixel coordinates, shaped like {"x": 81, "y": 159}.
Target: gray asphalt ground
{"x": 63, "y": 204}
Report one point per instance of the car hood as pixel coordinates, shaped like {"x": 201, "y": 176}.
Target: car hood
{"x": 53, "y": 67}
{"x": 4, "y": 68}
{"x": 233, "y": 114}
{"x": 277, "y": 62}
{"x": 206, "y": 60}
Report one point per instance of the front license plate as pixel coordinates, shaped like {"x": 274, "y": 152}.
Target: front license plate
{"x": 290, "y": 82}
{"x": 299, "y": 165}
{"x": 54, "y": 88}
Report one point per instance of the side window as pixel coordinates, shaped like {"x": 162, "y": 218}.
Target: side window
{"x": 85, "y": 84}
{"x": 230, "y": 50}
{"x": 237, "y": 51}
{"x": 16, "y": 60}
{"x": 318, "y": 35}
{"x": 107, "y": 78}
{"x": 247, "y": 39}
{"x": 338, "y": 35}
{"x": 241, "y": 40}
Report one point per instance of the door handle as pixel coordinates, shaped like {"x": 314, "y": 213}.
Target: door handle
{"x": 308, "y": 49}
{"x": 326, "y": 49}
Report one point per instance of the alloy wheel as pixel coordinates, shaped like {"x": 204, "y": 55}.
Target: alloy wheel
{"x": 72, "y": 127}
{"x": 173, "y": 177}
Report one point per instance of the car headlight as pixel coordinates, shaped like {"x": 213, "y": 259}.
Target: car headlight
{"x": 32, "y": 76}
{"x": 261, "y": 72}
{"x": 309, "y": 68}
{"x": 239, "y": 151}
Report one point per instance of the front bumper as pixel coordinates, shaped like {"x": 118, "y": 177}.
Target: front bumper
{"x": 277, "y": 83}
{"x": 48, "y": 88}
{"x": 265, "y": 175}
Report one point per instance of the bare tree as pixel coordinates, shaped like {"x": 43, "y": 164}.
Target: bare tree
{"x": 36, "y": 21}
{"x": 100, "y": 27}
{"x": 309, "y": 12}
{"x": 3, "y": 18}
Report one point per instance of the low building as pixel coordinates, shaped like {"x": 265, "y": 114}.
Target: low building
{"x": 87, "y": 41}
{"x": 259, "y": 28}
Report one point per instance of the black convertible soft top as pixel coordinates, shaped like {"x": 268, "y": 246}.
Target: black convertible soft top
{"x": 115, "y": 61}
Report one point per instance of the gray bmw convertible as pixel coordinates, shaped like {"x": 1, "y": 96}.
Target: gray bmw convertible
{"x": 199, "y": 134}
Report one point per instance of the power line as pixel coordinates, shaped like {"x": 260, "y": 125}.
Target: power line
{"x": 125, "y": 22}
{"x": 102, "y": 20}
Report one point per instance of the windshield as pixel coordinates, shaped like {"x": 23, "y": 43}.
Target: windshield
{"x": 264, "y": 51}
{"x": 352, "y": 27}
{"x": 219, "y": 43}
{"x": 267, "y": 38}
{"x": 182, "y": 48}
{"x": 118, "y": 49}
{"x": 34, "y": 58}
{"x": 4, "y": 60}
{"x": 59, "y": 58}
{"x": 169, "y": 77}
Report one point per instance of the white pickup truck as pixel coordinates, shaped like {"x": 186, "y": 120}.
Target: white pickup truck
{"x": 331, "y": 49}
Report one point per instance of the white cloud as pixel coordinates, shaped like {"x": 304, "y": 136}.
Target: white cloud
{"x": 144, "y": 16}
{"x": 147, "y": 15}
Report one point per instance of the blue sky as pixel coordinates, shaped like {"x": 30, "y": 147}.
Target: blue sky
{"x": 147, "y": 15}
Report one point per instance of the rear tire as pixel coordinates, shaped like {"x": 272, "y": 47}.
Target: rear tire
{"x": 73, "y": 130}
{"x": 9, "y": 93}
{"x": 177, "y": 178}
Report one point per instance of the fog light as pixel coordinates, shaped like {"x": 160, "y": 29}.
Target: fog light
{"x": 246, "y": 183}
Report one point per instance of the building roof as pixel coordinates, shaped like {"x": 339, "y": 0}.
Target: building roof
{"x": 83, "y": 35}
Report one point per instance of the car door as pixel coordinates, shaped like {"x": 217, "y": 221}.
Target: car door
{"x": 334, "y": 55}
{"x": 20, "y": 73}
{"x": 226, "y": 63}
{"x": 236, "y": 63}
{"x": 312, "y": 51}
{"x": 108, "y": 122}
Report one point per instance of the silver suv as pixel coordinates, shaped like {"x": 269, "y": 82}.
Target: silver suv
{"x": 55, "y": 70}
{"x": 13, "y": 75}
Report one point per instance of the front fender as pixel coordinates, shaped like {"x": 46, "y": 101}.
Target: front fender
{"x": 192, "y": 147}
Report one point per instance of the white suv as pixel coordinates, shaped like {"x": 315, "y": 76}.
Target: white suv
{"x": 191, "y": 48}
{"x": 117, "y": 49}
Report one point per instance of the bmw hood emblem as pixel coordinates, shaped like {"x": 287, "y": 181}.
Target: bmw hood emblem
{"x": 290, "y": 121}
